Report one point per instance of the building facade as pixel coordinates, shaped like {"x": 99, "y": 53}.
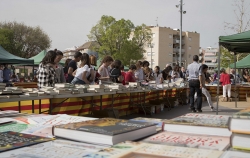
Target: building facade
{"x": 164, "y": 48}
{"x": 210, "y": 57}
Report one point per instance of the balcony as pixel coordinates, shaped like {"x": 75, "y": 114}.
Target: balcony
{"x": 176, "y": 50}
{"x": 177, "y": 41}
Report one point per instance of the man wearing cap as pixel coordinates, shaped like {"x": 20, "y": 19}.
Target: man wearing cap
{"x": 195, "y": 84}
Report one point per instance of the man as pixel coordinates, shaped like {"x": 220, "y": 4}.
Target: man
{"x": 183, "y": 73}
{"x": 236, "y": 78}
{"x": 195, "y": 83}
{"x": 73, "y": 65}
{"x": 6, "y": 74}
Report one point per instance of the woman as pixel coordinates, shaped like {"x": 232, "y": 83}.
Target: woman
{"x": 139, "y": 74}
{"x": 103, "y": 69}
{"x": 59, "y": 68}
{"x": 130, "y": 75}
{"x": 226, "y": 83}
{"x": 66, "y": 68}
{"x": 148, "y": 75}
{"x": 175, "y": 73}
{"x": 115, "y": 72}
{"x": 82, "y": 75}
{"x": 166, "y": 72}
{"x": 46, "y": 75}
{"x": 123, "y": 74}
{"x": 157, "y": 75}
{"x": 245, "y": 75}
{"x": 204, "y": 69}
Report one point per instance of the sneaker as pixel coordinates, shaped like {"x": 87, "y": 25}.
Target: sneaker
{"x": 199, "y": 110}
{"x": 193, "y": 110}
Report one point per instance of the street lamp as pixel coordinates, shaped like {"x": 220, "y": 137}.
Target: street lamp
{"x": 150, "y": 45}
{"x": 181, "y": 12}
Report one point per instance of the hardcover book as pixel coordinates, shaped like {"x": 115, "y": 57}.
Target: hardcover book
{"x": 159, "y": 122}
{"x": 105, "y": 131}
{"x": 12, "y": 140}
{"x": 245, "y": 114}
{"x": 190, "y": 140}
{"x": 54, "y": 149}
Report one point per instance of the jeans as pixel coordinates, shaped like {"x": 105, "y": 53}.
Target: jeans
{"x": 194, "y": 86}
{"x": 77, "y": 81}
{"x": 227, "y": 90}
{"x": 208, "y": 96}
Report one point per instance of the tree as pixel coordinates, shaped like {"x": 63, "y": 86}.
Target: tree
{"x": 120, "y": 39}
{"x": 6, "y": 39}
{"x": 26, "y": 41}
{"x": 242, "y": 24}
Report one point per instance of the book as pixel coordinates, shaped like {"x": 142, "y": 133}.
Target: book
{"x": 245, "y": 114}
{"x": 161, "y": 151}
{"x": 97, "y": 86}
{"x": 15, "y": 127}
{"x": 240, "y": 141}
{"x": 159, "y": 123}
{"x": 116, "y": 151}
{"x": 12, "y": 140}
{"x": 105, "y": 131}
{"x": 190, "y": 140}
{"x": 238, "y": 125}
{"x": 54, "y": 149}
{"x": 6, "y": 120}
{"x": 235, "y": 154}
{"x": 199, "y": 124}
{"x": 33, "y": 118}
{"x": 7, "y": 113}
{"x": 64, "y": 85}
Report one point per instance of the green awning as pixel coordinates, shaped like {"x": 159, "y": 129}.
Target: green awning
{"x": 8, "y": 58}
{"x": 39, "y": 57}
{"x": 243, "y": 63}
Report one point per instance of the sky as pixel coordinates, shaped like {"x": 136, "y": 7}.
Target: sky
{"x": 68, "y": 22}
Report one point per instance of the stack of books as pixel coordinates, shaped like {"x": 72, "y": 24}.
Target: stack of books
{"x": 2, "y": 86}
{"x": 240, "y": 126}
{"x": 96, "y": 89}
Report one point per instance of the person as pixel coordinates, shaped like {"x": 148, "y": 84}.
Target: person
{"x": 166, "y": 72}
{"x": 215, "y": 76}
{"x": 157, "y": 75}
{"x": 130, "y": 75}
{"x": 1, "y": 73}
{"x": 183, "y": 73}
{"x": 204, "y": 69}
{"x": 226, "y": 83}
{"x": 245, "y": 75}
{"x": 115, "y": 72}
{"x": 139, "y": 74}
{"x": 66, "y": 68}
{"x": 6, "y": 74}
{"x": 145, "y": 64}
{"x": 46, "y": 75}
{"x": 103, "y": 70}
{"x": 73, "y": 65}
{"x": 195, "y": 83}
{"x": 175, "y": 73}
{"x": 83, "y": 74}
{"x": 59, "y": 68}
{"x": 235, "y": 77}
{"x": 13, "y": 78}
{"x": 148, "y": 75}
{"x": 123, "y": 74}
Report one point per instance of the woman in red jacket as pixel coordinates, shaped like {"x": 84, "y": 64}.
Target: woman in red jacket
{"x": 226, "y": 83}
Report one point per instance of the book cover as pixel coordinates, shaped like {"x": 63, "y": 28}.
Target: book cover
{"x": 201, "y": 120}
{"x": 155, "y": 150}
{"x": 15, "y": 127}
{"x": 54, "y": 149}
{"x": 106, "y": 126}
{"x": 245, "y": 114}
{"x": 6, "y": 120}
{"x": 33, "y": 119}
{"x": 12, "y": 140}
{"x": 190, "y": 140}
{"x": 159, "y": 122}
{"x": 116, "y": 151}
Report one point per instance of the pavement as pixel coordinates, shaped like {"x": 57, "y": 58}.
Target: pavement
{"x": 224, "y": 108}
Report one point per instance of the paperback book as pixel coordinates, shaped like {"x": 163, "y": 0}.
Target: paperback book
{"x": 159, "y": 122}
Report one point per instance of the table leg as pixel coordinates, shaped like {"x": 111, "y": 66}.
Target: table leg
{"x": 50, "y": 106}
{"x": 40, "y": 106}
{"x": 101, "y": 102}
{"x": 33, "y": 107}
{"x": 19, "y": 106}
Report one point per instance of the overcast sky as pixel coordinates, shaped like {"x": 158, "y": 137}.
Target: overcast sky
{"x": 68, "y": 22}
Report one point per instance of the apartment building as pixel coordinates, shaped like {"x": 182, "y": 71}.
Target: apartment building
{"x": 165, "y": 46}
{"x": 209, "y": 56}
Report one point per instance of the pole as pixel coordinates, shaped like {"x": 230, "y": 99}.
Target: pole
{"x": 181, "y": 4}
{"x": 235, "y": 80}
{"x": 218, "y": 82}
{"x": 151, "y": 56}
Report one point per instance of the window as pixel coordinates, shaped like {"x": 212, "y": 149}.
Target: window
{"x": 173, "y": 55}
{"x": 153, "y": 35}
{"x": 190, "y": 38}
{"x": 189, "y": 47}
{"x": 170, "y": 36}
{"x": 170, "y": 45}
{"x": 208, "y": 61}
{"x": 151, "y": 45}
{"x": 149, "y": 53}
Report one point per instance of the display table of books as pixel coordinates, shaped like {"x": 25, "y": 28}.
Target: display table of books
{"x": 187, "y": 136}
{"x": 81, "y": 99}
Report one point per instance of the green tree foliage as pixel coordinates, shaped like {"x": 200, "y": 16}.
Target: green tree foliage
{"x": 22, "y": 40}
{"x": 120, "y": 38}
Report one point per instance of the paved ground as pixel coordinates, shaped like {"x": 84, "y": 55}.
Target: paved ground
{"x": 224, "y": 108}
